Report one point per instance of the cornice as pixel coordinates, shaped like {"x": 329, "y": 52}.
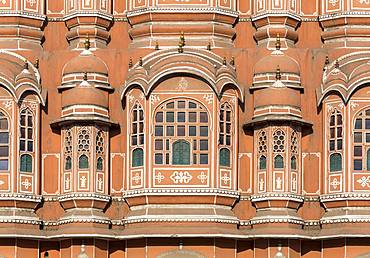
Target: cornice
{"x": 87, "y": 14}
{"x": 220, "y": 192}
{"x": 344, "y": 196}
{"x": 182, "y": 10}
{"x": 23, "y": 14}
{"x": 357, "y": 14}
{"x": 277, "y": 196}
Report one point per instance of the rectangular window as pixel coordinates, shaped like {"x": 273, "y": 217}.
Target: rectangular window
{"x": 170, "y": 131}
{"x": 4, "y": 138}
{"x": 192, "y": 117}
{"x": 158, "y": 145}
{"x": 159, "y": 130}
{"x": 204, "y": 131}
{"x": 357, "y": 164}
{"x": 358, "y": 123}
{"x": 181, "y": 117}
{"x": 192, "y": 130}
{"x": 358, "y": 137}
{"x": 203, "y": 117}
{"x": 181, "y": 130}
{"x": 159, "y": 117}
{"x": 158, "y": 158}
{"x": 203, "y": 158}
{"x": 203, "y": 144}
{"x": 357, "y": 151}
{"x": 170, "y": 117}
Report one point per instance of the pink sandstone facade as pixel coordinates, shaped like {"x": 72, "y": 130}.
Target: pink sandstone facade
{"x": 184, "y": 128}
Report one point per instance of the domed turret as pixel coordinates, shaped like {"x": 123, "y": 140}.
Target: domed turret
{"x": 85, "y": 62}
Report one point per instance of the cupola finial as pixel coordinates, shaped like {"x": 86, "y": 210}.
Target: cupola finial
{"x": 87, "y": 43}
{"x": 278, "y": 43}
{"x": 278, "y": 73}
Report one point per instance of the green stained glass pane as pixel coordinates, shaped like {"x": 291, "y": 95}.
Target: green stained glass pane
{"x": 83, "y": 162}
{"x": 335, "y": 162}
{"x": 262, "y": 162}
{"x": 293, "y": 163}
{"x": 99, "y": 164}
{"x": 137, "y": 157}
{"x": 279, "y": 162}
{"x": 225, "y": 157}
{"x": 181, "y": 153}
{"x": 68, "y": 165}
{"x": 368, "y": 159}
{"x": 26, "y": 163}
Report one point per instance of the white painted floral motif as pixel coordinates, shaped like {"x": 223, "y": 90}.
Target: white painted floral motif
{"x": 3, "y": 1}
{"x": 333, "y": 2}
{"x": 225, "y": 178}
{"x": 154, "y": 99}
{"x": 261, "y": 184}
{"x": 278, "y": 182}
{"x": 67, "y": 184}
{"x": 130, "y": 98}
{"x": 335, "y": 183}
{"x": 208, "y": 98}
{"x": 294, "y": 184}
{"x": 202, "y": 177}
{"x": 2, "y": 182}
{"x": 159, "y": 177}
{"x": 83, "y": 181}
{"x": 364, "y": 181}
{"x": 183, "y": 84}
{"x": 31, "y": 2}
{"x": 136, "y": 178}
{"x": 26, "y": 184}
{"x": 100, "y": 184}
{"x": 364, "y": 1}
{"x": 8, "y": 104}
{"x": 180, "y": 177}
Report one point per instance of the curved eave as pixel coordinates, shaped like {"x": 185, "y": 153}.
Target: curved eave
{"x": 265, "y": 119}
{"x": 83, "y": 119}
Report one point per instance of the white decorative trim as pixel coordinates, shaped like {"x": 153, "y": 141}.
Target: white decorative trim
{"x": 226, "y": 193}
{"x": 344, "y": 196}
{"x": 181, "y": 10}
{"x": 84, "y": 196}
{"x": 277, "y": 196}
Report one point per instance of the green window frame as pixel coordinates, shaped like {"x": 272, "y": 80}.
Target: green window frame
{"x": 83, "y": 162}
{"x": 181, "y": 153}
{"x": 278, "y": 162}
{"x": 335, "y": 162}
{"x": 262, "y": 163}
{"x": 225, "y": 157}
{"x": 26, "y": 163}
{"x": 137, "y": 157}
{"x": 99, "y": 164}
{"x": 68, "y": 164}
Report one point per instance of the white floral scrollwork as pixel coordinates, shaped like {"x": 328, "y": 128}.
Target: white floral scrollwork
{"x": 181, "y": 177}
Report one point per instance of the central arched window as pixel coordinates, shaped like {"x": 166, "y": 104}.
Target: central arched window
{"x": 225, "y": 136}
{"x": 4, "y": 142}
{"x": 361, "y": 141}
{"x": 279, "y": 149}
{"x": 181, "y": 133}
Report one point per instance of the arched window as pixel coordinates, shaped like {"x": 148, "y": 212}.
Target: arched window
{"x": 83, "y": 162}
{"x": 26, "y": 163}
{"x": 181, "y": 128}
{"x": 293, "y": 163}
{"x": 262, "y": 163}
{"x": 335, "y": 162}
{"x": 137, "y": 135}
{"x": 225, "y": 136}
{"x": 68, "y": 164}
{"x": 26, "y": 139}
{"x": 225, "y": 157}
{"x": 335, "y": 141}
{"x": 361, "y": 141}
{"x": 278, "y": 162}
{"x": 4, "y": 142}
{"x": 137, "y": 157}
{"x": 99, "y": 164}
{"x": 83, "y": 145}
{"x": 99, "y": 150}
{"x": 279, "y": 149}
{"x": 262, "y": 150}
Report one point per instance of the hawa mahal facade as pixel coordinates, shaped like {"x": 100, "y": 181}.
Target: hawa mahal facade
{"x": 184, "y": 128}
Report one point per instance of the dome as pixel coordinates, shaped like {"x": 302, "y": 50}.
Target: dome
{"x": 86, "y": 61}
{"x": 277, "y": 58}
{"x": 85, "y": 94}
